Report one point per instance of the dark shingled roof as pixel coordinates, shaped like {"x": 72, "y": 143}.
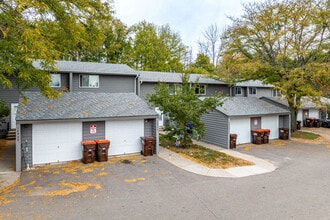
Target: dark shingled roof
{"x": 244, "y": 106}
{"x": 90, "y": 67}
{"x": 82, "y": 105}
{"x": 168, "y": 77}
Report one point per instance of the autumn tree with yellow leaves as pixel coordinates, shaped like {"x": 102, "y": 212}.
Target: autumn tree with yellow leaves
{"x": 284, "y": 43}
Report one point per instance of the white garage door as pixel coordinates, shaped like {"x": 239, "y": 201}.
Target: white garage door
{"x": 56, "y": 142}
{"x": 124, "y": 136}
{"x": 241, "y": 127}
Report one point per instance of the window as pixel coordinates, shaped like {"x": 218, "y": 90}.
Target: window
{"x": 200, "y": 89}
{"x": 238, "y": 90}
{"x": 253, "y": 91}
{"x": 56, "y": 80}
{"x": 275, "y": 94}
{"x": 88, "y": 81}
{"x": 173, "y": 88}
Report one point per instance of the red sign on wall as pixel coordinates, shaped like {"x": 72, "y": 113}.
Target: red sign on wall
{"x": 92, "y": 129}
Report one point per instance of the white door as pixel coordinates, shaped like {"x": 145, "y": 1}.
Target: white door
{"x": 124, "y": 136}
{"x": 56, "y": 142}
{"x": 241, "y": 127}
{"x": 161, "y": 117}
{"x": 13, "y": 111}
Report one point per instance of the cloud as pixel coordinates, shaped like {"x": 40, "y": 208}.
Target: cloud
{"x": 190, "y": 18}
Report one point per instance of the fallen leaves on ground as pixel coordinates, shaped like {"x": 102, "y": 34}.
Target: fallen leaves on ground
{"x": 73, "y": 187}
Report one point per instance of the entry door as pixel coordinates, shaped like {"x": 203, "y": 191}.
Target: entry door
{"x": 161, "y": 117}
{"x": 13, "y": 112}
{"x": 255, "y": 123}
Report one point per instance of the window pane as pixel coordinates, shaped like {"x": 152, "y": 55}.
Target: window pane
{"x": 89, "y": 81}
{"x": 93, "y": 81}
{"x": 56, "y": 80}
{"x": 84, "y": 79}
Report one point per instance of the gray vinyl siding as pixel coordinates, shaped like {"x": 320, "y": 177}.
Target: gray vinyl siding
{"x": 150, "y": 129}
{"x": 65, "y": 81}
{"x": 212, "y": 89}
{"x": 284, "y": 121}
{"x": 266, "y": 92}
{"x": 100, "y": 131}
{"x": 261, "y": 92}
{"x": 11, "y": 96}
{"x": 26, "y": 141}
{"x": 111, "y": 84}
{"x": 216, "y": 129}
{"x": 146, "y": 88}
{"x": 149, "y": 125}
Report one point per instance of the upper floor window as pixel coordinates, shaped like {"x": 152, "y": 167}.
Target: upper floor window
{"x": 238, "y": 90}
{"x": 56, "y": 80}
{"x": 173, "y": 88}
{"x": 200, "y": 89}
{"x": 253, "y": 91}
{"x": 275, "y": 93}
{"x": 88, "y": 81}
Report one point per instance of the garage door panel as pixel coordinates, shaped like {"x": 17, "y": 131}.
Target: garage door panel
{"x": 241, "y": 127}
{"x": 124, "y": 136}
{"x": 56, "y": 142}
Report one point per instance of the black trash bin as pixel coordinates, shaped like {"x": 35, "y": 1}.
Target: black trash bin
{"x": 309, "y": 122}
{"x": 298, "y": 125}
{"x": 317, "y": 123}
{"x": 148, "y": 145}
{"x": 233, "y": 138}
{"x": 102, "y": 150}
{"x": 88, "y": 151}
{"x": 257, "y": 136}
{"x": 284, "y": 133}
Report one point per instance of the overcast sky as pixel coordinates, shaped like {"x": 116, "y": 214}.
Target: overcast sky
{"x": 187, "y": 17}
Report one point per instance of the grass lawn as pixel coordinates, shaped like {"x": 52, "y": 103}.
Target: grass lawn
{"x": 305, "y": 135}
{"x": 205, "y": 156}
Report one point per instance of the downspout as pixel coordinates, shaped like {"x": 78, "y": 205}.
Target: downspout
{"x": 70, "y": 81}
{"x": 137, "y": 85}
{"x": 26, "y": 155}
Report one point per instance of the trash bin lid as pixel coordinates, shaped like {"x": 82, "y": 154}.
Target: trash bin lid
{"x": 88, "y": 142}
{"x": 102, "y": 141}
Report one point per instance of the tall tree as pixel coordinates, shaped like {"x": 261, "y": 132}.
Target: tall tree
{"x": 184, "y": 108}
{"x": 46, "y": 30}
{"x": 211, "y": 44}
{"x": 202, "y": 65}
{"x": 156, "y": 48}
{"x": 284, "y": 43}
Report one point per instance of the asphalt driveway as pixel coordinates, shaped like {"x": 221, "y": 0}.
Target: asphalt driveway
{"x": 151, "y": 188}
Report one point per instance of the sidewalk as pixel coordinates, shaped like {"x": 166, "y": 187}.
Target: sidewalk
{"x": 261, "y": 166}
{"x": 8, "y": 175}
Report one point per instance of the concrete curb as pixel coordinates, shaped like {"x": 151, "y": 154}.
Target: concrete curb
{"x": 261, "y": 166}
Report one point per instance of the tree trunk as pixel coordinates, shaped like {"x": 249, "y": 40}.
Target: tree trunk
{"x": 294, "y": 114}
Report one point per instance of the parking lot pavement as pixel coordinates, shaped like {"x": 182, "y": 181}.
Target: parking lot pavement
{"x": 140, "y": 187}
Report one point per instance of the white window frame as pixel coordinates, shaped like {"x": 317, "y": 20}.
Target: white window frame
{"x": 56, "y": 80}
{"x": 238, "y": 89}
{"x": 252, "y": 91}
{"x": 95, "y": 78}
